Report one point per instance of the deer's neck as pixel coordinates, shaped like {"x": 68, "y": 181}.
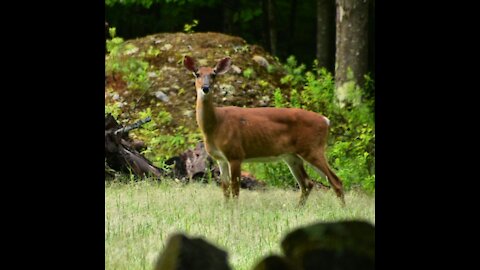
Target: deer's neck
{"x": 206, "y": 115}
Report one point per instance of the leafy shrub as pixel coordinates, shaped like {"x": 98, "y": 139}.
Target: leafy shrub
{"x": 189, "y": 28}
{"x": 295, "y": 74}
{"x": 278, "y": 99}
{"x": 248, "y": 73}
{"x": 122, "y": 59}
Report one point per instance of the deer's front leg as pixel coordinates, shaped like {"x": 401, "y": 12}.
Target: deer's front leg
{"x": 235, "y": 167}
{"x": 225, "y": 178}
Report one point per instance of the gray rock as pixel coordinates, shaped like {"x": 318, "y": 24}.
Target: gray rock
{"x": 189, "y": 113}
{"x": 264, "y": 101}
{"x": 152, "y": 74}
{"x": 226, "y": 89}
{"x": 162, "y": 96}
{"x": 236, "y": 69}
{"x": 166, "y": 47}
{"x": 260, "y": 60}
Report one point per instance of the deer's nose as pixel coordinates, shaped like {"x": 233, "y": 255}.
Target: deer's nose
{"x": 205, "y": 89}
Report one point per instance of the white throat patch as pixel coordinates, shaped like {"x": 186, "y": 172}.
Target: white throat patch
{"x": 200, "y": 94}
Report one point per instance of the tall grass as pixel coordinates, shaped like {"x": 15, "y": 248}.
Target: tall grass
{"x": 140, "y": 216}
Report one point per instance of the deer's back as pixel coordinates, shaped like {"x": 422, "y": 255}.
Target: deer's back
{"x": 265, "y": 132}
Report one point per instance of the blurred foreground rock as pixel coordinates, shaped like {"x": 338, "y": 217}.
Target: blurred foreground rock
{"x": 343, "y": 245}
{"x": 337, "y": 245}
{"x": 274, "y": 262}
{"x": 183, "y": 253}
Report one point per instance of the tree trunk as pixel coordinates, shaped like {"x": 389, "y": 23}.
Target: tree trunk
{"x": 266, "y": 28}
{"x": 351, "y": 47}
{"x": 228, "y": 8}
{"x": 371, "y": 38}
{"x": 326, "y": 34}
{"x": 291, "y": 26}
{"x": 272, "y": 30}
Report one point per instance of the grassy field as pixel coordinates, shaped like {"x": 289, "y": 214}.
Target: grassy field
{"x": 140, "y": 216}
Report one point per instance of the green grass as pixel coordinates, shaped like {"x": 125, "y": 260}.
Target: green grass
{"x": 140, "y": 216}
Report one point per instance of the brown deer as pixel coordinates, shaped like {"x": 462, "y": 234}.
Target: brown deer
{"x": 233, "y": 135}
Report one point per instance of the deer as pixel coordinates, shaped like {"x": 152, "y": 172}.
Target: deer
{"x": 233, "y": 135}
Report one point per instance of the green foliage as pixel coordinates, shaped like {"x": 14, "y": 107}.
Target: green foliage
{"x": 152, "y": 52}
{"x": 278, "y": 99}
{"x": 164, "y": 118}
{"x": 113, "y": 44}
{"x": 158, "y": 141}
{"x": 136, "y": 75}
{"x": 295, "y": 99}
{"x": 241, "y": 49}
{"x": 122, "y": 59}
{"x": 295, "y": 74}
{"x": 188, "y": 28}
{"x": 113, "y": 109}
{"x": 369, "y": 90}
{"x": 318, "y": 93}
{"x": 271, "y": 69}
{"x": 274, "y": 173}
{"x": 263, "y": 83}
{"x": 247, "y": 14}
{"x": 249, "y": 73}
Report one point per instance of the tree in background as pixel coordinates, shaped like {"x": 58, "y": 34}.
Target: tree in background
{"x": 228, "y": 11}
{"x": 351, "y": 57}
{"x": 291, "y": 26}
{"x": 269, "y": 11}
{"x": 325, "y": 52}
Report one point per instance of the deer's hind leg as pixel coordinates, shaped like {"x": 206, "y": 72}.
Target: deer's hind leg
{"x": 319, "y": 163}
{"x": 295, "y": 164}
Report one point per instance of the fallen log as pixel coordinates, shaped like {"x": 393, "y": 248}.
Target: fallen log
{"x": 122, "y": 153}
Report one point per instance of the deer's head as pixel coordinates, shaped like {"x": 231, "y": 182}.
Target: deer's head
{"x": 205, "y": 76}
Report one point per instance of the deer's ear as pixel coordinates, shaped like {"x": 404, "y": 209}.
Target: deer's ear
{"x": 223, "y": 66}
{"x": 189, "y": 63}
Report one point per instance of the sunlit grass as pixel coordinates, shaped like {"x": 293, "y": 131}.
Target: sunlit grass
{"x": 140, "y": 216}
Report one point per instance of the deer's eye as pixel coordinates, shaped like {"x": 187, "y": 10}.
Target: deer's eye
{"x": 196, "y": 74}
